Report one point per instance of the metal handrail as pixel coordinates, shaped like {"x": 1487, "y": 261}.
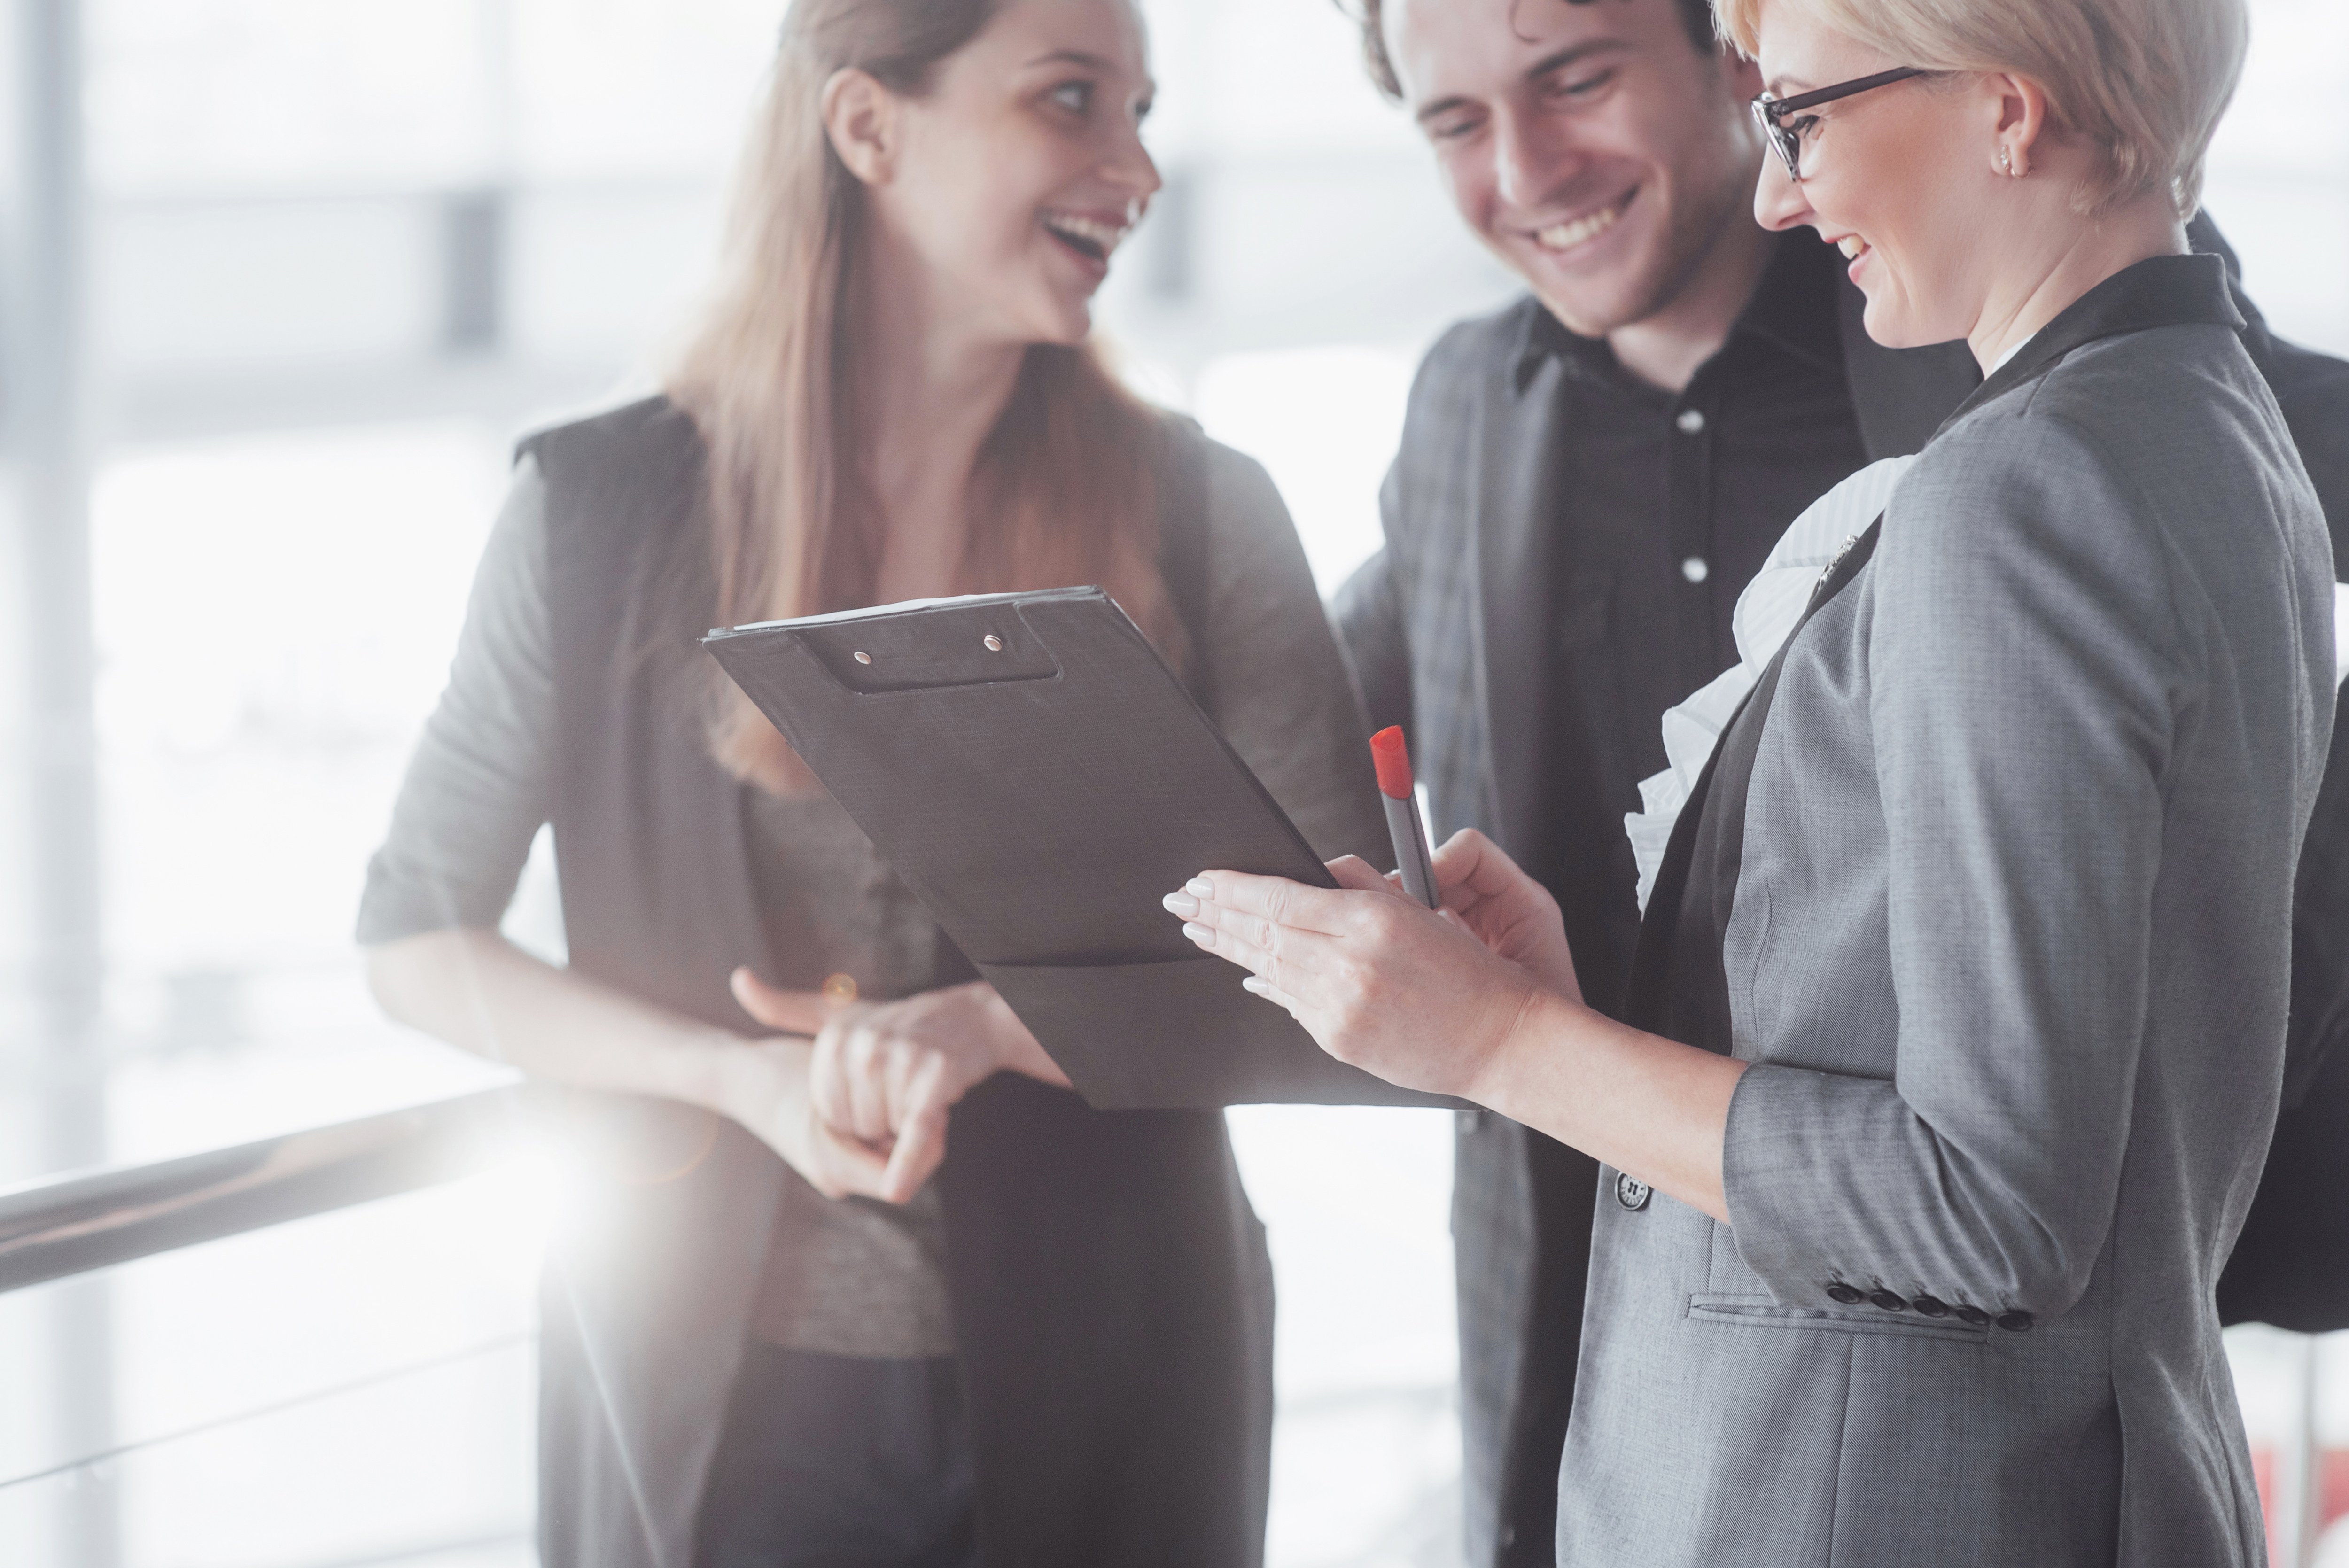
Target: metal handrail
{"x": 75, "y": 1224}
{"x": 274, "y": 1408}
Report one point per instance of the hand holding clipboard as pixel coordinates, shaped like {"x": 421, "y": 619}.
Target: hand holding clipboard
{"x": 1038, "y": 777}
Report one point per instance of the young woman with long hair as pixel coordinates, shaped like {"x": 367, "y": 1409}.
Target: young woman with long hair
{"x": 797, "y": 1323}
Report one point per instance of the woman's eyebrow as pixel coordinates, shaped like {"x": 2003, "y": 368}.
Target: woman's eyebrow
{"x": 1787, "y": 86}
{"x": 1071, "y": 57}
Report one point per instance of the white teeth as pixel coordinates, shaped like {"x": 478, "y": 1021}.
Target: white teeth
{"x": 1565, "y": 236}
{"x": 1091, "y": 231}
{"x": 1851, "y": 246}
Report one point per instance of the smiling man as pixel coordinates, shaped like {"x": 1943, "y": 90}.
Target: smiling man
{"x": 1587, "y": 481}
{"x": 1604, "y": 153}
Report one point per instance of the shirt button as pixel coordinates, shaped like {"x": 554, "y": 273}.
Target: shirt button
{"x": 1696, "y": 569}
{"x": 1848, "y": 1294}
{"x": 1633, "y": 1195}
{"x": 1466, "y": 1120}
{"x": 2015, "y": 1322}
{"x": 1691, "y": 421}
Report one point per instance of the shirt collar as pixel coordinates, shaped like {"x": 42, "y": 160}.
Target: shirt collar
{"x": 1793, "y": 311}
{"x": 2161, "y": 291}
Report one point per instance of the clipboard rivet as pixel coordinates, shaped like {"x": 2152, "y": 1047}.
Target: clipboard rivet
{"x": 994, "y": 644}
{"x": 863, "y": 657}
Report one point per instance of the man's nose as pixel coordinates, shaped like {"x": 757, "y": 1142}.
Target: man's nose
{"x": 1778, "y": 198}
{"x": 1531, "y": 159}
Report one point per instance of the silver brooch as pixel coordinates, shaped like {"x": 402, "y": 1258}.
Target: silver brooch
{"x": 1836, "y": 561}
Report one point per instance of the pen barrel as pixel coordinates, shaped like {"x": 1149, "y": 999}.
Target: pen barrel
{"x": 1411, "y": 857}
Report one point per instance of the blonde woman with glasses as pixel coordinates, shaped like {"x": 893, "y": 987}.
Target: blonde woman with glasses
{"x": 1958, "y": 1023}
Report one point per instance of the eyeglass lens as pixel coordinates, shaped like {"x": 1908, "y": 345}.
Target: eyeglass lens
{"x": 1788, "y": 146}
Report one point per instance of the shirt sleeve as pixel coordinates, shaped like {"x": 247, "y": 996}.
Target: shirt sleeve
{"x": 2024, "y": 654}
{"x": 1282, "y": 693}
{"x": 477, "y": 789}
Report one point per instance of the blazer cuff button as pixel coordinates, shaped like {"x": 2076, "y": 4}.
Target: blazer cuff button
{"x": 1887, "y": 1301}
{"x": 1931, "y": 1306}
{"x": 2016, "y": 1322}
{"x": 1848, "y": 1295}
{"x": 1973, "y": 1314}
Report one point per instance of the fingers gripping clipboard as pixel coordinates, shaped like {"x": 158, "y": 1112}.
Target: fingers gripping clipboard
{"x": 1039, "y": 779}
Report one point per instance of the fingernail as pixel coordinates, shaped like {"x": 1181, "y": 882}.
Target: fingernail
{"x": 1200, "y": 886}
{"x": 1202, "y": 935}
{"x": 1181, "y": 903}
{"x": 1253, "y": 986}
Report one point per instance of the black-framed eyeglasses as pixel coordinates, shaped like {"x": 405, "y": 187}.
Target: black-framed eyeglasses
{"x": 1787, "y": 135}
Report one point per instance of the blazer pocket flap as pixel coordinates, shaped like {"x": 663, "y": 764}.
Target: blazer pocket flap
{"x": 1767, "y": 1312}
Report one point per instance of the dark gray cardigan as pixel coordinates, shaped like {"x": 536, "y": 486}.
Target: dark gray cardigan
{"x": 1112, "y": 1292}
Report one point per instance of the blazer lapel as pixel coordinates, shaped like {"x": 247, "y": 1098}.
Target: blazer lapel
{"x": 1516, "y": 492}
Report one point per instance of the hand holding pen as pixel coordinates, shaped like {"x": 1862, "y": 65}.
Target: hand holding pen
{"x": 1392, "y": 759}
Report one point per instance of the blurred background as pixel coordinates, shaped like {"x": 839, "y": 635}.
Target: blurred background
{"x": 280, "y": 283}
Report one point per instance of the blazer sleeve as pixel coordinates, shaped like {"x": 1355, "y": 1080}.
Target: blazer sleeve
{"x": 1424, "y": 515}
{"x": 2023, "y": 657}
{"x": 1368, "y": 615}
{"x": 2313, "y": 390}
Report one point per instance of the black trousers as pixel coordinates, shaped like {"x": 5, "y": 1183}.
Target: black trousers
{"x": 840, "y": 1461}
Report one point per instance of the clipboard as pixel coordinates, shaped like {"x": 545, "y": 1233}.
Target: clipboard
{"x": 1039, "y": 779}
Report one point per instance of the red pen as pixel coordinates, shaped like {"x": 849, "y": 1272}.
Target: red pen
{"x": 1391, "y": 758}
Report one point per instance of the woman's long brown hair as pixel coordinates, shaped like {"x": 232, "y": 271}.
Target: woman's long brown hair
{"x": 1065, "y": 490}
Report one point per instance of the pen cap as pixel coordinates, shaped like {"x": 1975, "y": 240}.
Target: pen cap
{"x": 1391, "y": 758}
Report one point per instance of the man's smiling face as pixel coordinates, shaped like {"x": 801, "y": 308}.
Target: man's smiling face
{"x": 1592, "y": 145}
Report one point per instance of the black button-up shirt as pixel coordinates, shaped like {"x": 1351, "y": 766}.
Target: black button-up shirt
{"x": 1666, "y": 505}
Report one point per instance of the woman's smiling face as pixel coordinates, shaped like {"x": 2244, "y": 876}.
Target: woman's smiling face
{"x": 1021, "y": 169}
{"x": 1901, "y": 178}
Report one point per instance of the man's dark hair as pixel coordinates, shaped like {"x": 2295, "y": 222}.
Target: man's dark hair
{"x": 1696, "y": 16}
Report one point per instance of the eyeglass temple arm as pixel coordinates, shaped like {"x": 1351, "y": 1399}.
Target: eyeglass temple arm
{"x": 1775, "y": 108}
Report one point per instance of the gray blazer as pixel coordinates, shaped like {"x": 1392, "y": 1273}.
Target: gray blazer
{"x": 1448, "y": 628}
{"x": 1444, "y": 631}
{"x": 2009, "y": 955}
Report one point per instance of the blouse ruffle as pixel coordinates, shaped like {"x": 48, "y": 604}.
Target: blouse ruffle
{"x": 1766, "y": 613}
{"x": 2340, "y": 634}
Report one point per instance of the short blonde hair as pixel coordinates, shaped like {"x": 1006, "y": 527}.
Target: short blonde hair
{"x": 2144, "y": 80}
